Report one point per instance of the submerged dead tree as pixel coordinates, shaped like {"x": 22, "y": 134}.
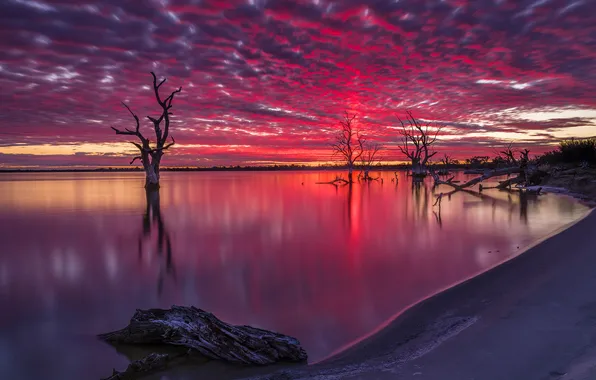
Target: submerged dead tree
{"x": 349, "y": 143}
{"x": 447, "y": 160}
{"x": 369, "y": 158}
{"x": 417, "y": 141}
{"x": 150, "y": 154}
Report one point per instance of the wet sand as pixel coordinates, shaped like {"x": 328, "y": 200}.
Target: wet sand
{"x": 533, "y": 317}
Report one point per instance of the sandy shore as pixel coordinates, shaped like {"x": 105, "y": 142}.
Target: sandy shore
{"x": 533, "y": 317}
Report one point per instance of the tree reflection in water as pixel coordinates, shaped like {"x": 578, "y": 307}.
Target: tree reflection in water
{"x": 152, "y": 219}
{"x": 523, "y": 199}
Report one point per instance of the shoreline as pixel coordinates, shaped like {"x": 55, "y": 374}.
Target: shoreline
{"x": 584, "y": 199}
{"x": 425, "y": 339}
{"x": 523, "y": 250}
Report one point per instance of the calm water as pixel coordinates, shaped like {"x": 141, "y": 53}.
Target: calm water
{"x": 271, "y": 249}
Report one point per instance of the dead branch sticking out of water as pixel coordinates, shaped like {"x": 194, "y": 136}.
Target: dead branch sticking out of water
{"x": 487, "y": 174}
{"x": 367, "y": 177}
{"x": 336, "y": 181}
{"x": 526, "y": 171}
{"x": 417, "y": 141}
{"x": 349, "y": 143}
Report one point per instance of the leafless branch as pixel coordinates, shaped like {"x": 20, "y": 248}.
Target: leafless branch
{"x": 509, "y": 156}
{"x": 136, "y": 158}
{"x": 446, "y": 160}
{"x": 165, "y": 146}
{"x": 151, "y": 154}
{"x": 488, "y": 174}
{"x": 128, "y": 131}
{"x": 421, "y": 137}
{"x": 139, "y": 147}
{"x": 349, "y": 142}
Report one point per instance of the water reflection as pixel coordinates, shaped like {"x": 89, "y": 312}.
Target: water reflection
{"x": 421, "y": 199}
{"x": 515, "y": 202}
{"x": 274, "y": 250}
{"x": 152, "y": 218}
{"x": 350, "y": 202}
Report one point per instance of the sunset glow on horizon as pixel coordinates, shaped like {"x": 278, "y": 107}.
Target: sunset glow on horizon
{"x": 267, "y": 81}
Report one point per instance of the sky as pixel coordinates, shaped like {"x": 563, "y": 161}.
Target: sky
{"x": 267, "y": 81}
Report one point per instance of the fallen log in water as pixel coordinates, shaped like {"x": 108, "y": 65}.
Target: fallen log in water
{"x": 334, "y": 182}
{"x": 474, "y": 171}
{"x": 204, "y": 333}
{"x": 486, "y": 175}
{"x": 478, "y": 180}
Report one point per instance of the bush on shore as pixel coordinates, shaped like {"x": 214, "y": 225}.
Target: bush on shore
{"x": 573, "y": 151}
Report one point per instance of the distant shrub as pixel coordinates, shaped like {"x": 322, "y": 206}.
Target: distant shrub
{"x": 550, "y": 158}
{"x": 576, "y": 151}
{"x": 544, "y": 167}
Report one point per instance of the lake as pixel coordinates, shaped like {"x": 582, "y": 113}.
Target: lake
{"x": 81, "y": 251}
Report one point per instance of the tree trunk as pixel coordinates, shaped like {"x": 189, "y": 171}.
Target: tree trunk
{"x": 152, "y": 173}
{"x": 350, "y": 170}
{"x": 151, "y": 178}
{"x": 418, "y": 170}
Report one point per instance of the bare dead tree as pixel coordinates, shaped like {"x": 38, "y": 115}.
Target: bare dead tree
{"x": 417, "y": 141}
{"x": 150, "y": 154}
{"x": 369, "y": 157}
{"x": 508, "y": 156}
{"x": 447, "y": 160}
{"x": 349, "y": 143}
{"x": 477, "y": 160}
{"x": 338, "y": 180}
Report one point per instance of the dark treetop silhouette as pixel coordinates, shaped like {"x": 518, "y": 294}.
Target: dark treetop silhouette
{"x": 150, "y": 156}
{"x": 349, "y": 143}
{"x": 369, "y": 158}
{"x": 422, "y": 138}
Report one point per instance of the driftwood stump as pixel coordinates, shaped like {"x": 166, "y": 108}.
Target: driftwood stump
{"x": 150, "y": 363}
{"x": 202, "y": 332}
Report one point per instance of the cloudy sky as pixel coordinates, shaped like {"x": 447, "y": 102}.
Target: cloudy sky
{"x": 268, "y": 80}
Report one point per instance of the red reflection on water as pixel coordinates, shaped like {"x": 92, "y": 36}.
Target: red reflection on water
{"x": 273, "y": 250}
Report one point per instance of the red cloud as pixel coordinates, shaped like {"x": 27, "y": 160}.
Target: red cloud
{"x": 273, "y": 78}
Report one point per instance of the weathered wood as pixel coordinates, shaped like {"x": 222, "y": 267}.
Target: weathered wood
{"x": 151, "y": 363}
{"x": 334, "y": 182}
{"x": 478, "y": 180}
{"x": 509, "y": 182}
{"x": 203, "y": 332}
{"x": 474, "y": 171}
{"x": 150, "y": 156}
{"x": 486, "y": 175}
{"x": 531, "y": 189}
